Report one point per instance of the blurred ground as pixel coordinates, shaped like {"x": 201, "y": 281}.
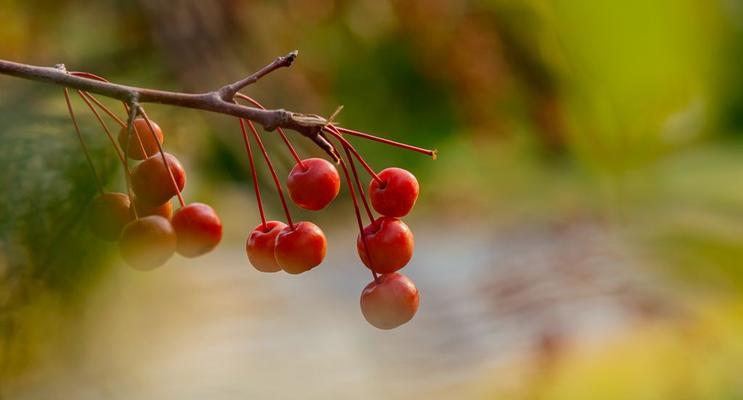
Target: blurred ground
{"x": 216, "y": 327}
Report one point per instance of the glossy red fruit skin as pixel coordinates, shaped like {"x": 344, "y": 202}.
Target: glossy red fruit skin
{"x": 198, "y": 229}
{"x": 148, "y": 242}
{"x": 261, "y": 245}
{"x": 164, "y": 210}
{"x": 108, "y": 214}
{"x": 390, "y": 243}
{"x": 148, "y": 142}
{"x": 300, "y": 249}
{"x": 314, "y": 186}
{"x": 390, "y": 301}
{"x": 396, "y": 196}
{"x": 151, "y": 181}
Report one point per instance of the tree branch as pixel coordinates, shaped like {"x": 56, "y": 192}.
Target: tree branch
{"x": 228, "y": 92}
{"x": 308, "y": 125}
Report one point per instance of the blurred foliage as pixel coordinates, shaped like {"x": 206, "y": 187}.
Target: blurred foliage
{"x": 693, "y": 359}
{"x": 45, "y": 252}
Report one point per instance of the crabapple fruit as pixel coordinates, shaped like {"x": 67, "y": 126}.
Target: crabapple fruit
{"x": 198, "y": 229}
{"x": 389, "y": 301}
{"x": 108, "y": 214}
{"x": 145, "y": 136}
{"x": 300, "y": 248}
{"x": 148, "y": 242}
{"x": 261, "y": 245}
{"x": 164, "y": 210}
{"x": 151, "y": 181}
{"x": 395, "y": 196}
{"x": 315, "y": 185}
{"x": 389, "y": 245}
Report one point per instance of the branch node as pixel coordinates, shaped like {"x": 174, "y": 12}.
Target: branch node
{"x": 322, "y": 142}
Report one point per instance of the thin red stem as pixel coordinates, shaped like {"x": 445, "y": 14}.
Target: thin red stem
{"x": 104, "y": 108}
{"x": 431, "y": 153}
{"x": 88, "y": 75}
{"x": 126, "y": 109}
{"x": 347, "y": 147}
{"x": 273, "y": 173}
{"x": 356, "y": 178}
{"x": 103, "y": 125}
{"x": 162, "y": 155}
{"x": 356, "y": 211}
{"x": 82, "y": 141}
{"x": 346, "y": 144}
{"x": 281, "y": 131}
{"x": 139, "y": 138}
{"x": 99, "y": 78}
{"x": 127, "y": 177}
{"x": 256, "y": 189}
{"x": 358, "y": 185}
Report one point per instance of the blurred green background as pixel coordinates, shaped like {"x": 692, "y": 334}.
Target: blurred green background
{"x": 579, "y": 236}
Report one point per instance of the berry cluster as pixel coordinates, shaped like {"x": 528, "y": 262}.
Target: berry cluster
{"x": 385, "y": 245}
{"x": 143, "y": 221}
{"x": 149, "y": 232}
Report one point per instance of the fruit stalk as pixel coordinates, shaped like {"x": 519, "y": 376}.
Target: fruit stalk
{"x": 256, "y": 189}
{"x": 347, "y": 145}
{"x": 358, "y": 184}
{"x": 129, "y": 128}
{"x": 99, "y": 185}
{"x": 431, "y": 153}
{"x": 273, "y": 174}
{"x": 356, "y": 209}
{"x": 281, "y": 131}
{"x": 103, "y": 125}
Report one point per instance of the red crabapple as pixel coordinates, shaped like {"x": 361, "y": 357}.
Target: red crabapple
{"x": 390, "y": 243}
{"x": 197, "y": 228}
{"x": 389, "y": 301}
{"x": 261, "y": 245}
{"x": 108, "y": 214}
{"x": 145, "y": 134}
{"x": 164, "y": 210}
{"x": 395, "y": 196}
{"x": 148, "y": 242}
{"x": 151, "y": 181}
{"x": 300, "y": 248}
{"x": 314, "y": 186}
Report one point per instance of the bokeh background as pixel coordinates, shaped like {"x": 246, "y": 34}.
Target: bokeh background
{"x": 580, "y": 235}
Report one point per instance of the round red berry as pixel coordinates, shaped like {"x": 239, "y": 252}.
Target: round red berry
{"x": 151, "y": 181}
{"x": 148, "y": 242}
{"x": 386, "y": 245}
{"x": 145, "y": 135}
{"x": 108, "y": 214}
{"x": 314, "y": 183}
{"x": 198, "y": 229}
{"x": 389, "y": 301}
{"x": 300, "y": 248}
{"x": 261, "y": 245}
{"x": 396, "y": 194}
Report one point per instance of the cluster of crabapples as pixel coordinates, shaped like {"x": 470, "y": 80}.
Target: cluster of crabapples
{"x": 384, "y": 246}
{"x": 144, "y": 224}
{"x": 149, "y": 231}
